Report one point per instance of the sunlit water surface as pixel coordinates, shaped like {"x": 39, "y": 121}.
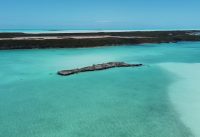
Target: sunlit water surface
{"x": 160, "y": 99}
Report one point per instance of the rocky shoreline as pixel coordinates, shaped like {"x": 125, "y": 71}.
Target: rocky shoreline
{"x": 97, "y": 68}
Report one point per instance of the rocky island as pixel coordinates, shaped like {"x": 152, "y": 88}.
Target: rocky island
{"x": 97, "y": 67}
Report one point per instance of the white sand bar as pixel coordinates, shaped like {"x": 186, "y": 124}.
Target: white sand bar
{"x": 72, "y": 37}
{"x": 185, "y": 93}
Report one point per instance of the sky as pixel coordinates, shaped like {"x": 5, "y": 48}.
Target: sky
{"x": 99, "y": 14}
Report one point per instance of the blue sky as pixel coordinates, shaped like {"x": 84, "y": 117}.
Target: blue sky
{"x": 99, "y": 14}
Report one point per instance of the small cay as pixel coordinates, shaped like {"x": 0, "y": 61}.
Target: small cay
{"x": 97, "y": 67}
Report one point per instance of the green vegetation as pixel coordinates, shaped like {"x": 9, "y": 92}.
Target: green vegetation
{"x": 122, "y": 38}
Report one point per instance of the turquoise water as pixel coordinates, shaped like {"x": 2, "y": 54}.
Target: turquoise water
{"x": 122, "y": 102}
{"x": 87, "y": 30}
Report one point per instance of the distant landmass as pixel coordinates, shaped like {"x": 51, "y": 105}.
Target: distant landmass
{"x": 92, "y": 39}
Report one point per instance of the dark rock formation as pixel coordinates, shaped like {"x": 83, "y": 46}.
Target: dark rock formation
{"x": 97, "y": 67}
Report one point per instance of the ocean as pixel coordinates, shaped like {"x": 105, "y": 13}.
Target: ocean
{"x": 160, "y": 99}
{"x": 39, "y": 31}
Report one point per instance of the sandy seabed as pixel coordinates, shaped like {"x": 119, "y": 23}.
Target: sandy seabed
{"x": 185, "y": 93}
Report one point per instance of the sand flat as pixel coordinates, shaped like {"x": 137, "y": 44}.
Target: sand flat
{"x": 70, "y": 37}
{"x": 185, "y": 93}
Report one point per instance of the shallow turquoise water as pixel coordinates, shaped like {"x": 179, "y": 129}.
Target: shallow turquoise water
{"x": 122, "y": 102}
{"x": 79, "y": 30}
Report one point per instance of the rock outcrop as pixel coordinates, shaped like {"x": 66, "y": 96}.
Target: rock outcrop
{"x": 97, "y": 67}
